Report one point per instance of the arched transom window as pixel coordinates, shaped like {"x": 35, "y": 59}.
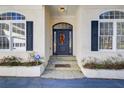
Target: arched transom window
{"x": 12, "y": 31}
{"x": 62, "y": 26}
{"x": 12, "y": 16}
{"x": 111, "y": 30}
{"x": 112, "y": 15}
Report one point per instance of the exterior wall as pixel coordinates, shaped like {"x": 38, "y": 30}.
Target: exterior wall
{"x": 47, "y": 34}
{"x": 43, "y": 23}
{"x": 84, "y": 17}
{"x": 35, "y": 14}
{"x": 82, "y": 30}
{"x": 68, "y": 19}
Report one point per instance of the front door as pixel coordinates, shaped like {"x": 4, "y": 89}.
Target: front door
{"x": 63, "y": 42}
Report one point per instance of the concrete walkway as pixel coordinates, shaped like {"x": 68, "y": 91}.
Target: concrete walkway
{"x": 62, "y": 67}
{"x": 13, "y": 82}
{"x": 72, "y": 72}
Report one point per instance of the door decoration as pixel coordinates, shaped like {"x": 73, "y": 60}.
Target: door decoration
{"x": 62, "y": 38}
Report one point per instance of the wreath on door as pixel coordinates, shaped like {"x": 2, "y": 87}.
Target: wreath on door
{"x": 62, "y": 38}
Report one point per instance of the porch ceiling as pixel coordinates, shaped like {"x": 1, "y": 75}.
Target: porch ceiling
{"x": 70, "y": 10}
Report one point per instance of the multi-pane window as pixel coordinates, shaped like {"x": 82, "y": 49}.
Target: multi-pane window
{"x": 12, "y": 31}
{"x": 120, "y": 35}
{"x": 106, "y": 35}
{"x": 18, "y": 36}
{"x": 111, "y": 30}
{"x": 62, "y": 26}
{"x": 112, "y": 15}
{"x": 4, "y": 36}
{"x": 12, "y": 16}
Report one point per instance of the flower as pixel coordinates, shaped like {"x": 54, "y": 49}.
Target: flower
{"x": 37, "y": 57}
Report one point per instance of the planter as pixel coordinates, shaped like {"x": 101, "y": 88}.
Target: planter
{"x": 103, "y": 73}
{"x": 22, "y": 71}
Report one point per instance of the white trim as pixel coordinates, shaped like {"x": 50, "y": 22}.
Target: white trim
{"x": 114, "y": 40}
{"x": 10, "y": 29}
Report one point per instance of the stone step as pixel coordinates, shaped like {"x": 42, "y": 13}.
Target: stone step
{"x": 62, "y": 58}
{"x": 66, "y": 68}
{"x": 63, "y": 62}
{"x": 58, "y": 74}
{"x": 69, "y": 56}
{"x": 72, "y": 67}
{"x": 63, "y": 69}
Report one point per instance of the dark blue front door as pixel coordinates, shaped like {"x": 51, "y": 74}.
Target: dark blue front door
{"x": 63, "y": 41}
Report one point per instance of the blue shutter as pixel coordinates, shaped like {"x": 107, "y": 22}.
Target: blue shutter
{"x": 94, "y": 35}
{"x": 29, "y": 37}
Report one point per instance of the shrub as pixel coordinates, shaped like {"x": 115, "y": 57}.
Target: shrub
{"x": 104, "y": 66}
{"x": 116, "y": 62}
{"x": 11, "y": 59}
{"x": 16, "y": 61}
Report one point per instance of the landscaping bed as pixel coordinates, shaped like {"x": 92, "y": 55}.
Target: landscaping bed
{"x": 22, "y": 71}
{"x": 110, "y": 68}
{"x": 14, "y": 66}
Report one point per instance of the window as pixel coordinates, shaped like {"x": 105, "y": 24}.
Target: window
{"x": 120, "y": 35}
{"x": 12, "y": 31}
{"x": 11, "y": 16}
{"x": 111, "y": 30}
{"x": 62, "y": 26}
{"x": 106, "y": 35}
{"x": 4, "y": 36}
{"x": 112, "y": 15}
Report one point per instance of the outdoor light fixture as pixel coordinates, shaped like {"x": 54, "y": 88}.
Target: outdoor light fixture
{"x": 62, "y": 9}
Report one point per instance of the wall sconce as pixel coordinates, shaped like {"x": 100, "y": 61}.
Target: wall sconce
{"x": 62, "y": 9}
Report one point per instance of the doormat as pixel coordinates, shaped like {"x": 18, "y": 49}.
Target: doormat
{"x": 62, "y": 65}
